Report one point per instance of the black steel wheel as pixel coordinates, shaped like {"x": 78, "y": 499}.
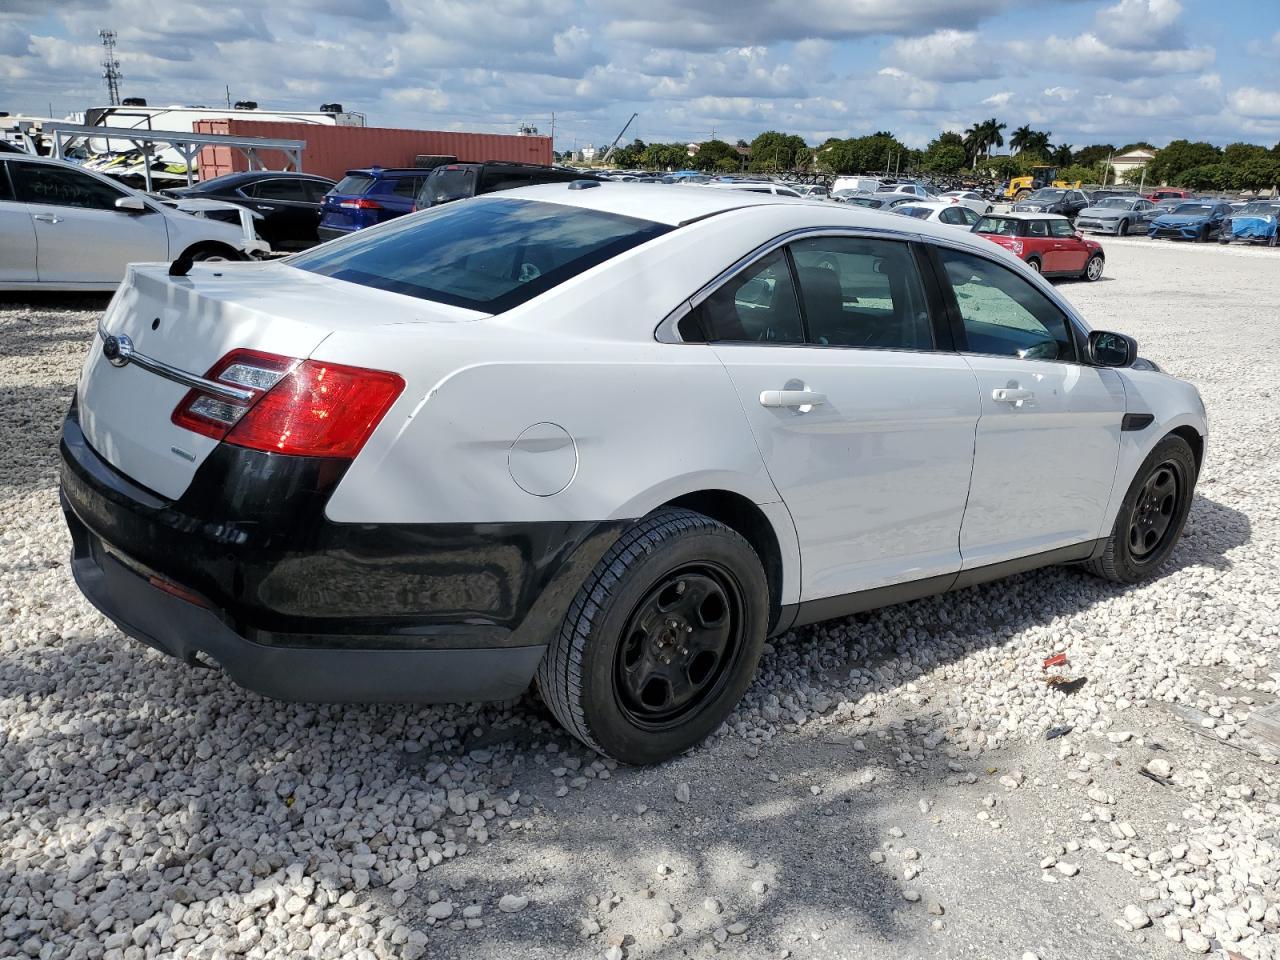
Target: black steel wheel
{"x": 679, "y": 645}
{"x": 1152, "y": 515}
{"x": 661, "y": 641}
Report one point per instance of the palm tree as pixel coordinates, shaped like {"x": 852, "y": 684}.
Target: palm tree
{"x": 1038, "y": 143}
{"x": 974, "y": 144}
{"x": 1018, "y": 140}
{"x": 1061, "y": 154}
{"x": 994, "y": 137}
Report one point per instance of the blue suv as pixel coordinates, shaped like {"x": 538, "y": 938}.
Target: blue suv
{"x": 367, "y": 197}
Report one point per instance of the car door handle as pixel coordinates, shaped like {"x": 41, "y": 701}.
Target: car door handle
{"x": 46, "y": 218}
{"x": 263, "y": 206}
{"x": 791, "y": 398}
{"x": 1011, "y": 394}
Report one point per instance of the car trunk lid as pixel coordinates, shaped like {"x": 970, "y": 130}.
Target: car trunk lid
{"x": 187, "y": 324}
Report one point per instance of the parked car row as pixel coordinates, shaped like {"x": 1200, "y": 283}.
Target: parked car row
{"x": 886, "y": 408}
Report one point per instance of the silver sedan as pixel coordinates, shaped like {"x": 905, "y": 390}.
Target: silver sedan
{"x": 1117, "y": 215}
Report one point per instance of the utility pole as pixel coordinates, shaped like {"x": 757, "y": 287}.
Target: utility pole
{"x": 553, "y": 131}
{"x": 110, "y": 66}
{"x": 228, "y": 96}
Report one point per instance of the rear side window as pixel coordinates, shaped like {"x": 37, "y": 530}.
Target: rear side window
{"x": 920, "y": 213}
{"x": 862, "y": 292}
{"x": 353, "y": 185}
{"x": 278, "y": 189}
{"x": 448, "y": 183}
{"x": 489, "y": 254}
{"x": 1003, "y": 314}
{"x": 759, "y": 305}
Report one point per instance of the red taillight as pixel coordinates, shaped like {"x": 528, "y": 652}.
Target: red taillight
{"x": 301, "y": 407}
{"x": 360, "y": 203}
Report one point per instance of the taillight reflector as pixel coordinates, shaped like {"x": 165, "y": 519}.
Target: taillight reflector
{"x": 360, "y": 203}
{"x": 298, "y": 407}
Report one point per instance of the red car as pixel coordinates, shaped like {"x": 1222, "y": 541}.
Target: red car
{"x": 1046, "y": 241}
{"x": 1168, "y": 193}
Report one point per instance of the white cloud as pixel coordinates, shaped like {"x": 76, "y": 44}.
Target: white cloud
{"x": 1142, "y": 24}
{"x": 1256, "y": 103}
{"x": 999, "y": 100}
{"x": 1089, "y": 52}
{"x": 948, "y": 55}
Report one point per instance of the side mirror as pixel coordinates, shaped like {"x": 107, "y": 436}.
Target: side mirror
{"x": 1108, "y": 349}
{"x": 131, "y": 205}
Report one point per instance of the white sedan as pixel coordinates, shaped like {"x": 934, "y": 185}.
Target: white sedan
{"x": 940, "y": 211}
{"x": 66, "y": 228}
{"x": 969, "y": 198}
{"x": 604, "y": 439}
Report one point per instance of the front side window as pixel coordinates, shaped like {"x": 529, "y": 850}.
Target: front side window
{"x": 1038, "y": 228}
{"x": 490, "y": 254}
{"x": 758, "y": 305}
{"x": 48, "y": 184}
{"x": 1061, "y": 228}
{"x": 1003, "y": 314}
{"x": 862, "y": 292}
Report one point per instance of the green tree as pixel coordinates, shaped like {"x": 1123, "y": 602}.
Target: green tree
{"x": 1061, "y": 155}
{"x": 1002, "y": 168}
{"x": 1207, "y": 176}
{"x": 1257, "y": 172}
{"x": 712, "y": 152}
{"x": 1094, "y": 154}
{"x": 1073, "y": 172}
{"x": 773, "y": 151}
{"x": 1179, "y": 157}
{"x": 1139, "y": 145}
{"x": 945, "y": 155}
{"x": 863, "y": 154}
{"x": 1236, "y": 154}
{"x": 664, "y": 156}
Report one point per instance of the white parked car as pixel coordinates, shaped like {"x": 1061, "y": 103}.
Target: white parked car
{"x": 969, "y": 198}
{"x": 756, "y": 186}
{"x": 857, "y": 184}
{"x": 66, "y": 228}
{"x": 604, "y": 439}
{"x": 914, "y": 189}
{"x": 939, "y": 211}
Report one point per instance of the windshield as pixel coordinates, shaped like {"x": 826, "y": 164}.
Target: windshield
{"x": 488, "y": 254}
{"x": 1048, "y": 193}
{"x": 1193, "y": 210}
{"x": 864, "y": 202}
{"x": 920, "y": 213}
{"x": 1000, "y": 226}
{"x": 1115, "y": 203}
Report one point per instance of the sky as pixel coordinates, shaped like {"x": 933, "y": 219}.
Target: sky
{"x": 1089, "y": 71}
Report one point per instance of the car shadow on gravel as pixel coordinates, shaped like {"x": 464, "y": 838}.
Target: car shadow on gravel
{"x": 34, "y": 413}
{"x": 24, "y": 337}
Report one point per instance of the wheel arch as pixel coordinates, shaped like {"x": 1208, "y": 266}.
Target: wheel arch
{"x": 1194, "y": 441}
{"x": 211, "y": 246}
{"x": 749, "y": 520}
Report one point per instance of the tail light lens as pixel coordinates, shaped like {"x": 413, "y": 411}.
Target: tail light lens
{"x": 1016, "y": 247}
{"x": 360, "y": 203}
{"x": 300, "y": 407}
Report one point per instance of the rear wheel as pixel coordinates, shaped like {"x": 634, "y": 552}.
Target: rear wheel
{"x": 1093, "y": 269}
{"x": 1021, "y": 195}
{"x": 661, "y": 641}
{"x": 1034, "y": 264}
{"x": 1152, "y": 515}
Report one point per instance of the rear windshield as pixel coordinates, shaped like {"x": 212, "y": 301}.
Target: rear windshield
{"x": 1193, "y": 210}
{"x": 488, "y": 254}
{"x": 1000, "y": 226}
{"x": 355, "y": 185}
{"x": 920, "y": 213}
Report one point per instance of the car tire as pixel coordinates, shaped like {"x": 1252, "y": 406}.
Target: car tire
{"x": 1034, "y": 264}
{"x": 640, "y": 691}
{"x": 1123, "y": 229}
{"x": 1093, "y": 269}
{"x": 214, "y": 253}
{"x": 1152, "y": 515}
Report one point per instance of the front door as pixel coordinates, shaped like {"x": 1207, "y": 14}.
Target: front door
{"x": 866, "y": 429}
{"x": 17, "y": 236}
{"x": 1069, "y": 251}
{"x": 80, "y": 236}
{"x": 1048, "y": 440}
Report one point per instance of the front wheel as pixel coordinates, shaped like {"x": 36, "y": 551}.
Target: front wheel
{"x": 1123, "y": 230}
{"x": 1152, "y": 515}
{"x": 661, "y": 641}
{"x": 1093, "y": 269}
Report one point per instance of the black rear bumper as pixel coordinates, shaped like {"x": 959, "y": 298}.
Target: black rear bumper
{"x": 246, "y": 569}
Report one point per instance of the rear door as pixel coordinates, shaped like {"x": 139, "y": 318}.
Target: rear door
{"x": 17, "y": 236}
{"x": 80, "y": 236}
{"x": 289, "y": 216}
{"x": 1048, "y": 439}
{"x": 865, "y": 425}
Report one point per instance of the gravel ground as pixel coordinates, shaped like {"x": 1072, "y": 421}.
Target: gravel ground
{"x": 887, "y": 786}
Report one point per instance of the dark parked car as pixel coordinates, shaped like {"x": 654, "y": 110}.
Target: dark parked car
{"x": 289, "y": 203}
{"x": 455, "y": 181}
{"x": 369, "y": 196}
{"x": 1194, "y": 220}
{"x": 1054, "y": 200}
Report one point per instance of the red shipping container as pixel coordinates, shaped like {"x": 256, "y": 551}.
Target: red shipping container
{"x": 331, "y": 151}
